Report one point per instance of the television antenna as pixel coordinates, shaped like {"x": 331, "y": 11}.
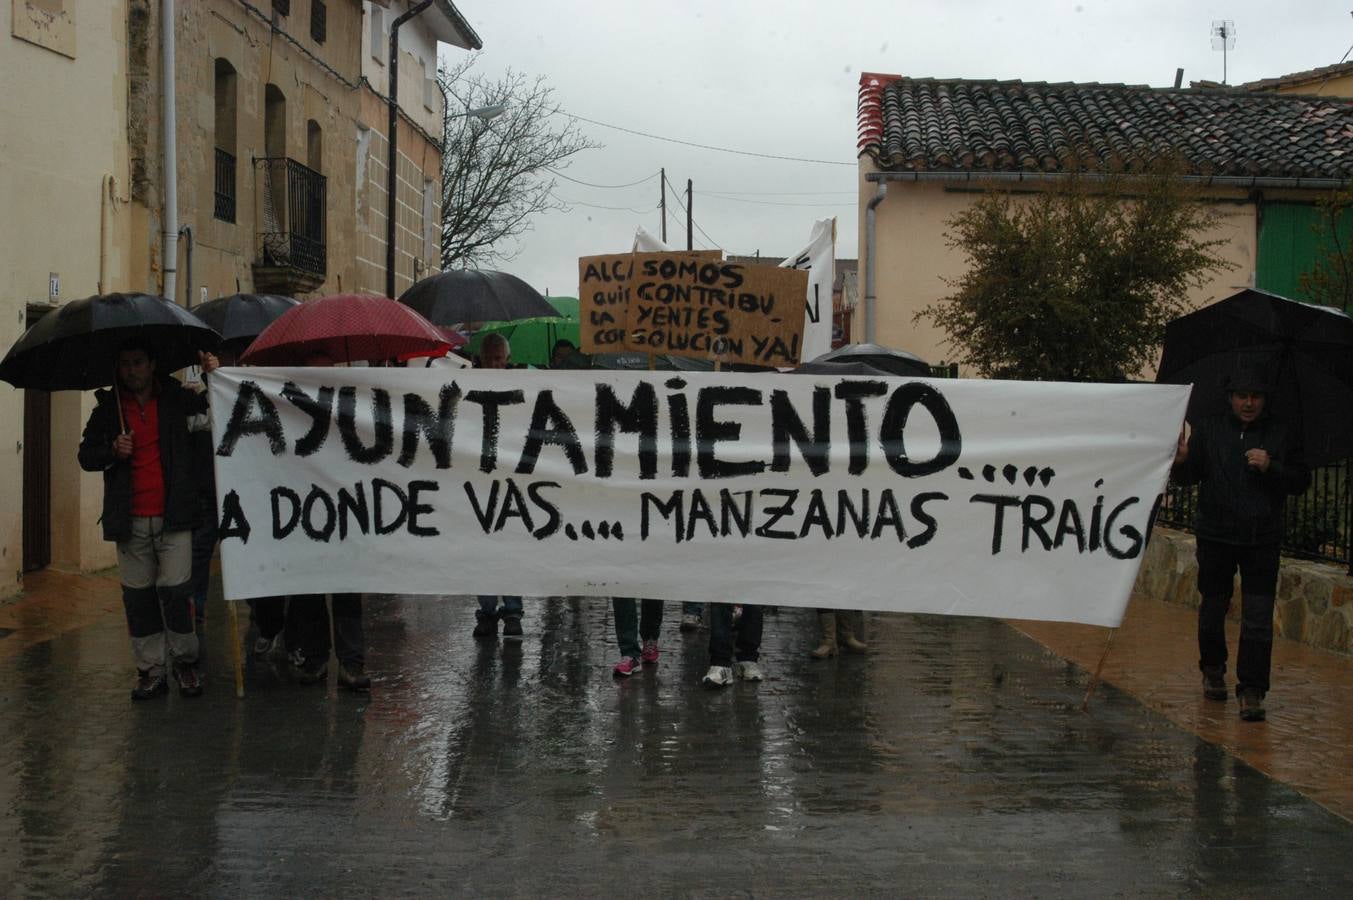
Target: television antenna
{"x": 1223, "y": 39}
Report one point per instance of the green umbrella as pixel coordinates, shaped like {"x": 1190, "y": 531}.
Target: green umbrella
{"x": 567, "y": 307}
{"x": 532, "y": 340}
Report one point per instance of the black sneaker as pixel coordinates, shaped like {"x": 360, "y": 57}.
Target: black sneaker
{"x": 149, "y": 684}
{"x": 189, "y": 679}
{"x": 353, "y": 677}
{"x": 1251, "y": 705}
{"x": 1214, "y": 683}
{"x": 313, "y": 671}
{"x": 512, "y": 628}
{"x": 486, "y": 628}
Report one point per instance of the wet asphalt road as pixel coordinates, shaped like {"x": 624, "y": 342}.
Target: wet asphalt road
{"x": 953, "y": 760}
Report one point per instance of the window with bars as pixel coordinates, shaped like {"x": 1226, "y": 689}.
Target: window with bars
{"x": 318, "y": 21}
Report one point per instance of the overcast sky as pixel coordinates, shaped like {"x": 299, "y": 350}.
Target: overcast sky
{"x": 781, "y": 79}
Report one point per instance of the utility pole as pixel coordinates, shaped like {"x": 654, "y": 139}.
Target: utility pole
{"x": 690, "y": 238}
{"x": 662, "y": 174}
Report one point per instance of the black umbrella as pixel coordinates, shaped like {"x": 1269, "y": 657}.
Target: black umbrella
{"x": 453, "y": 298}
{"x": 1306, "y": 352}
{"x": 890, "y": 361}
{"x": 75, "y": 347}
{"x": 240, "y": 318}
{"x": 842, "y": 368}
{"x": 661, "y": 362}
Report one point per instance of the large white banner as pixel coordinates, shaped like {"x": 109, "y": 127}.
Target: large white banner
{"x": 819, "y": 259}
{"x": 984, "y": 498}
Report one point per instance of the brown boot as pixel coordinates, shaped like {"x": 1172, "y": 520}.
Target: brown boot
{"x": 846, "y": 634}
{"x": 828, "y": 646}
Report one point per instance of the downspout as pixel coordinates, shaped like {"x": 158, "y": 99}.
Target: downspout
{"x": 169, "y": 128}
{"x": 870, "y": 245}
{"x": 105, "y": 197}
{"x": 187, "y": 232}
{"x": 392, "y": 138}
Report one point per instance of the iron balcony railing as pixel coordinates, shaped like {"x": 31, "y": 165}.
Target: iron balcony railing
{"x": 291, "y": 215}
{"x": 225, "y": 186}
{"x": 1319, "y": 522}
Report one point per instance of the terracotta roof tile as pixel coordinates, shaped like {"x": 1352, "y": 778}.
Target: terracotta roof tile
{"x": 946, "y": 124}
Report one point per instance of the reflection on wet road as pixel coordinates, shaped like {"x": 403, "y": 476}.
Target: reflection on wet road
{"x": 951, "y": 760}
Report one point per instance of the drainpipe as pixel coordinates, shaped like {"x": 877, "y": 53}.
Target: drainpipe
{"x": 187, "y": 232}
{"x": 105, "y": 197}
{"x": 169, "y": 127}
{"x": 870, "y": 245}
{"x": 392, "y": 137}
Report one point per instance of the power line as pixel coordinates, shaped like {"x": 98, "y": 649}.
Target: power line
{"x": 559, "y": 174}
{"x": 782, "y": 193}
{"x": 768, "y": 202}
{"x": 637, "y": 212}
{"x": 671, "y": 140}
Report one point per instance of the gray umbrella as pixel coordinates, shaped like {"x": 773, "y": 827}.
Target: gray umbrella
{"x": 876, "y": 356}
{"x": 453, "y": 298}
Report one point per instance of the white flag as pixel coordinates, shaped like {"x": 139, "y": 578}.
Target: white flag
{"x": 818, "y": 259}
{"x": 644, "y": 242}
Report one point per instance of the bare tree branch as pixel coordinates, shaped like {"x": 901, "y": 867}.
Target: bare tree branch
{"x": 494, "y": 173}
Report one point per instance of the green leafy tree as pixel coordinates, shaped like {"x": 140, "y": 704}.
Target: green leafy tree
{"x": 1330, "y": 283}
{"x": 1076, "y": 283}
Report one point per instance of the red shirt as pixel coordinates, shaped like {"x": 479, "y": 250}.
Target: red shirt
{"x": 147, "y": 476}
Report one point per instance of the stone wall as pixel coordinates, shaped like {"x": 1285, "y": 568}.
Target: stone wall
{"x": 1315, "y": 600}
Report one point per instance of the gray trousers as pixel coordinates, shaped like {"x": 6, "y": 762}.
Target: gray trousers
{"x": 156, "y": 568}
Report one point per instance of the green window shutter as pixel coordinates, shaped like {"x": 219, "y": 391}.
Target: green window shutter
{"x": 1287, "y": 247}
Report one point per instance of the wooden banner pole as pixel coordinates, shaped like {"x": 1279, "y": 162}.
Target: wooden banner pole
{"x": 1094, "y": 679}
{"x": 233, "y": 618}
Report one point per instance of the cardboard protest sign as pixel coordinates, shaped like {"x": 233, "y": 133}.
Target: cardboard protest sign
{"x": 725, "y": 311}
{"x": 603, "y": 297}
{"x": 1021, "y": 499}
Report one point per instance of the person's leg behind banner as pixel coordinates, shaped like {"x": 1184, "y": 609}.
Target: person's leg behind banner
{"x": 625, "y": 610}
{"x": 650, "y": 627}
{"x": 511, "y": 616}
{"x": 747, "y": 667}
{"x": 308, "y": 620}
{"x": 691, "y": 614}
{"x": 350, "y": 643}
{"x": 720, "y": 646}
{"x": 486, "y": 617}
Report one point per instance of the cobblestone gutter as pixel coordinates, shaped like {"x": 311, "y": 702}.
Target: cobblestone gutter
{"x": 1315, "y": 600}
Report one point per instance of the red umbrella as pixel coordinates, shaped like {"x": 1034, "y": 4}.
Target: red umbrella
{"x": 346, "y": 328}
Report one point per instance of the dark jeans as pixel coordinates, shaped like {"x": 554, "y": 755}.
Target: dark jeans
{"x": 692, "y": 609}
{"x": 270, "y": 615}
{"x": 488, "y": 607}
{"x": 631, "y": 625}
{"x": 1217, "y": 565}
{"x": 204, "y": 546}
{"x": 308, "y": 620}
{"x": 721, "y": 634}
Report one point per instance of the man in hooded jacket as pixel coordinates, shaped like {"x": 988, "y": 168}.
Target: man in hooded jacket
{"x": 1246, "y": 462}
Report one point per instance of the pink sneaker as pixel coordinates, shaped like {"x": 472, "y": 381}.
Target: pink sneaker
{"x": 650, "y": 651}
{"x": 627, "y": 666}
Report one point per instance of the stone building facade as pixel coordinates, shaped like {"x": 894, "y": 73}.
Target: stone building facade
{"x": 279, "y": 129}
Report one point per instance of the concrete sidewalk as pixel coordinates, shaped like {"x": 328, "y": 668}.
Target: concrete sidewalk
{"x": 1307, "y": 741}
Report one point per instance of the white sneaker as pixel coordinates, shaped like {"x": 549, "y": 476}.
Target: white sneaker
{"x": 750, "y": 671}
{"x": 718, "y": 676}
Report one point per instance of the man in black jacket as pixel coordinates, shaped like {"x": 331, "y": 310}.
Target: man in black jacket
{"x": 1246, "y": 462}
{"x": 151, "y": 439}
